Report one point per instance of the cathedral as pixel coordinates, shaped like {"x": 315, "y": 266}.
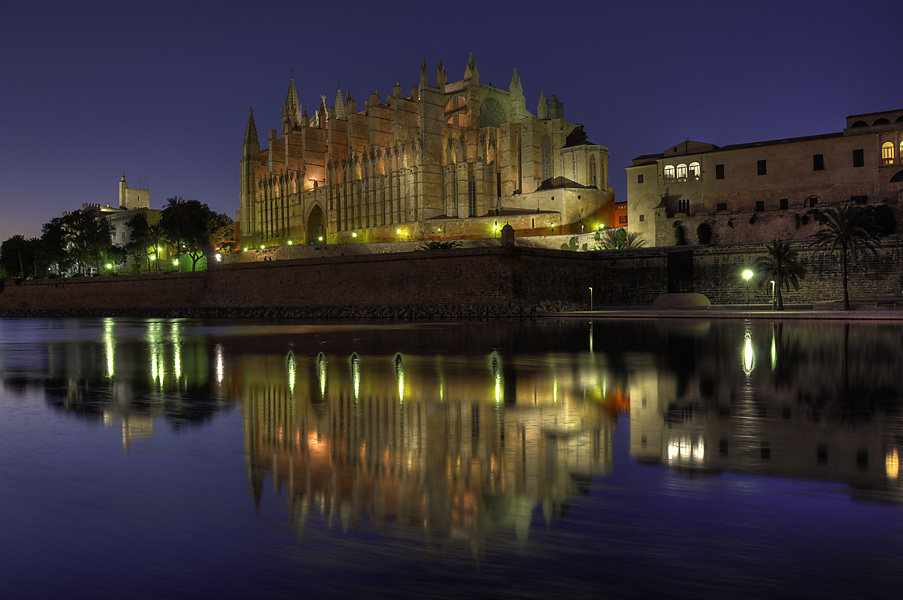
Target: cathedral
{"x": 453, "y": 160}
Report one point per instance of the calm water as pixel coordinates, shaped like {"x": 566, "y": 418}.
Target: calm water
{"x": 187, "y": 459}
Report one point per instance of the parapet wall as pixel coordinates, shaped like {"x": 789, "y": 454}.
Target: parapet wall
{"x": 445, "y": 283}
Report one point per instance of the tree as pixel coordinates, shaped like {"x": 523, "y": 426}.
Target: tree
{"x": 850, "y": 229}
{"x": 780, "y": 265}
{"x": 16, "y": 253}
{"x": 194, "y": 228}
{"x": 174, "y": 220}
{"x": 55, "y": 241}
{"x": 618, "y": 239}
{"x": 90, "y": 238}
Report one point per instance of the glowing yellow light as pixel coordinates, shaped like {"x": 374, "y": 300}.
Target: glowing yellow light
{"x": 356, "y": 375}
{"x": 354, "y": 234}
{"x": 892, "y": 464}
{"x": 219, "y": 257}
{"x": 321, "y": 373}
{"x": 153, "y": 257}
{"x": 261, "y": 246}
{"x": 399, "y": 374}
{"x": 749, "y": 358}
{"x": 289, "y": 242}
{"x": 220, "y": 364}
{"x": 175, "y": 261}
{"x": 109, "y": 265}
{"x": 398, "y": 231}
{"x": 109, "y": 345}
{"x": 290, "y": 368}
{"x": 439, "y": 230}
{"x": 747, "y": 274}
{"x": 320, "y": 238}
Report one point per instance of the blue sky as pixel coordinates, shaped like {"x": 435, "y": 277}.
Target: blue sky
{"x": 162, "y": 90}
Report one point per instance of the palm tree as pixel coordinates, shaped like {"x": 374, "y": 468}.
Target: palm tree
{"x": 780, "y": 265}
{"x": 174, "y": 216}
{"x": 851, "y": 229}
{"x": 619, "y": 238}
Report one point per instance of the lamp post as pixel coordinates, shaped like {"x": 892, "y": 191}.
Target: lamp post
{"x": 772, "y": 295}
{"x": 747, "y": 275}
{"x": 591, "y": 299}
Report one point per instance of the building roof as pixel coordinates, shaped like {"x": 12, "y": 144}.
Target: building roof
{"x": 647, "y": 159}
{"x": 555, "y": 183}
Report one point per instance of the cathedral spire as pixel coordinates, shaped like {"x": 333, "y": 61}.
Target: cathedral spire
{"x": 441, "y": 78}
{"x": 339, "y": 105}
{"x": 291, "y": 110}
{"x": 424, "y": 81}
{"x": 250, "y": 135}
{"x": 542, "y": 109}
{"x": 471, "y": 71}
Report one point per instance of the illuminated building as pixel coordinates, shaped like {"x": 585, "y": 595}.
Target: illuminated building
{"x": 762, "y": 191}
{"x": 451, "y": 160}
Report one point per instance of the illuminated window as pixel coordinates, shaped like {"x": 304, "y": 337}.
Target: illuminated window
{"x": 695, "y": 170}
{"x": 887, "y": 153}
{"x": 669, "y": 172}
{"x": 681, "y": 171}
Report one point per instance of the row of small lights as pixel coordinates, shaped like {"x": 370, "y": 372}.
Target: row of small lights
{"x": 495, "y": 228}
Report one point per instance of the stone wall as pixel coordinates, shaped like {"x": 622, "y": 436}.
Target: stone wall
{"x": 488, "y": 281}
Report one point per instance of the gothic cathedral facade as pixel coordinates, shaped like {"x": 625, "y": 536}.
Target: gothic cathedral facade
{"x": 451, "y": 161}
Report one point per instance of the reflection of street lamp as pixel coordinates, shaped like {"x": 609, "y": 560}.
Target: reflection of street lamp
{"x": 590, "y": 299}
{"x": 747, "y": 275}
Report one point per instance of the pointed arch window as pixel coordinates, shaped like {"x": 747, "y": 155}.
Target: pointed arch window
{"x": 546, "y": 157}
{"x": 592, "y": 171}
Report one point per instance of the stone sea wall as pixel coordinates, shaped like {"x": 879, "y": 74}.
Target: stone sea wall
{"x": 464, "y": 282}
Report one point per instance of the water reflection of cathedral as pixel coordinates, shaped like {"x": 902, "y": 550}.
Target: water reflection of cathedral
{"x": 458, "y": 446}
{"x": 817, "y": 403}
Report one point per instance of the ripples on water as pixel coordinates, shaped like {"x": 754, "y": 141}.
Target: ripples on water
{"x": 178, "y": 458}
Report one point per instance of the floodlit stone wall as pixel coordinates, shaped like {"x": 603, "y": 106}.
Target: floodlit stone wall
{"x": 465, "y": 282}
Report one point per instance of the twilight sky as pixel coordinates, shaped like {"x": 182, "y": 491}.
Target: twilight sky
{"x": 162, "y": 89}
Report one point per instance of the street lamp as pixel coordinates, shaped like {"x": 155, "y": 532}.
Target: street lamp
{"x": 772, "y": 295}
{"x": 747, "y": 275}
{"x": 591, "y": 299}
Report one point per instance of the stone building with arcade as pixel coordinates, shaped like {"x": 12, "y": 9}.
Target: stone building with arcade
{"x": 450, "y": 160}
{"x": 759, "y": 191}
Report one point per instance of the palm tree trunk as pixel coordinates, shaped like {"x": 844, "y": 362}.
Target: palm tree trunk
{"x": 778, "y": 294}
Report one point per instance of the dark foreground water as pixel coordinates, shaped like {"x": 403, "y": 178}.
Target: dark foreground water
{"x": 185, "y": 459}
